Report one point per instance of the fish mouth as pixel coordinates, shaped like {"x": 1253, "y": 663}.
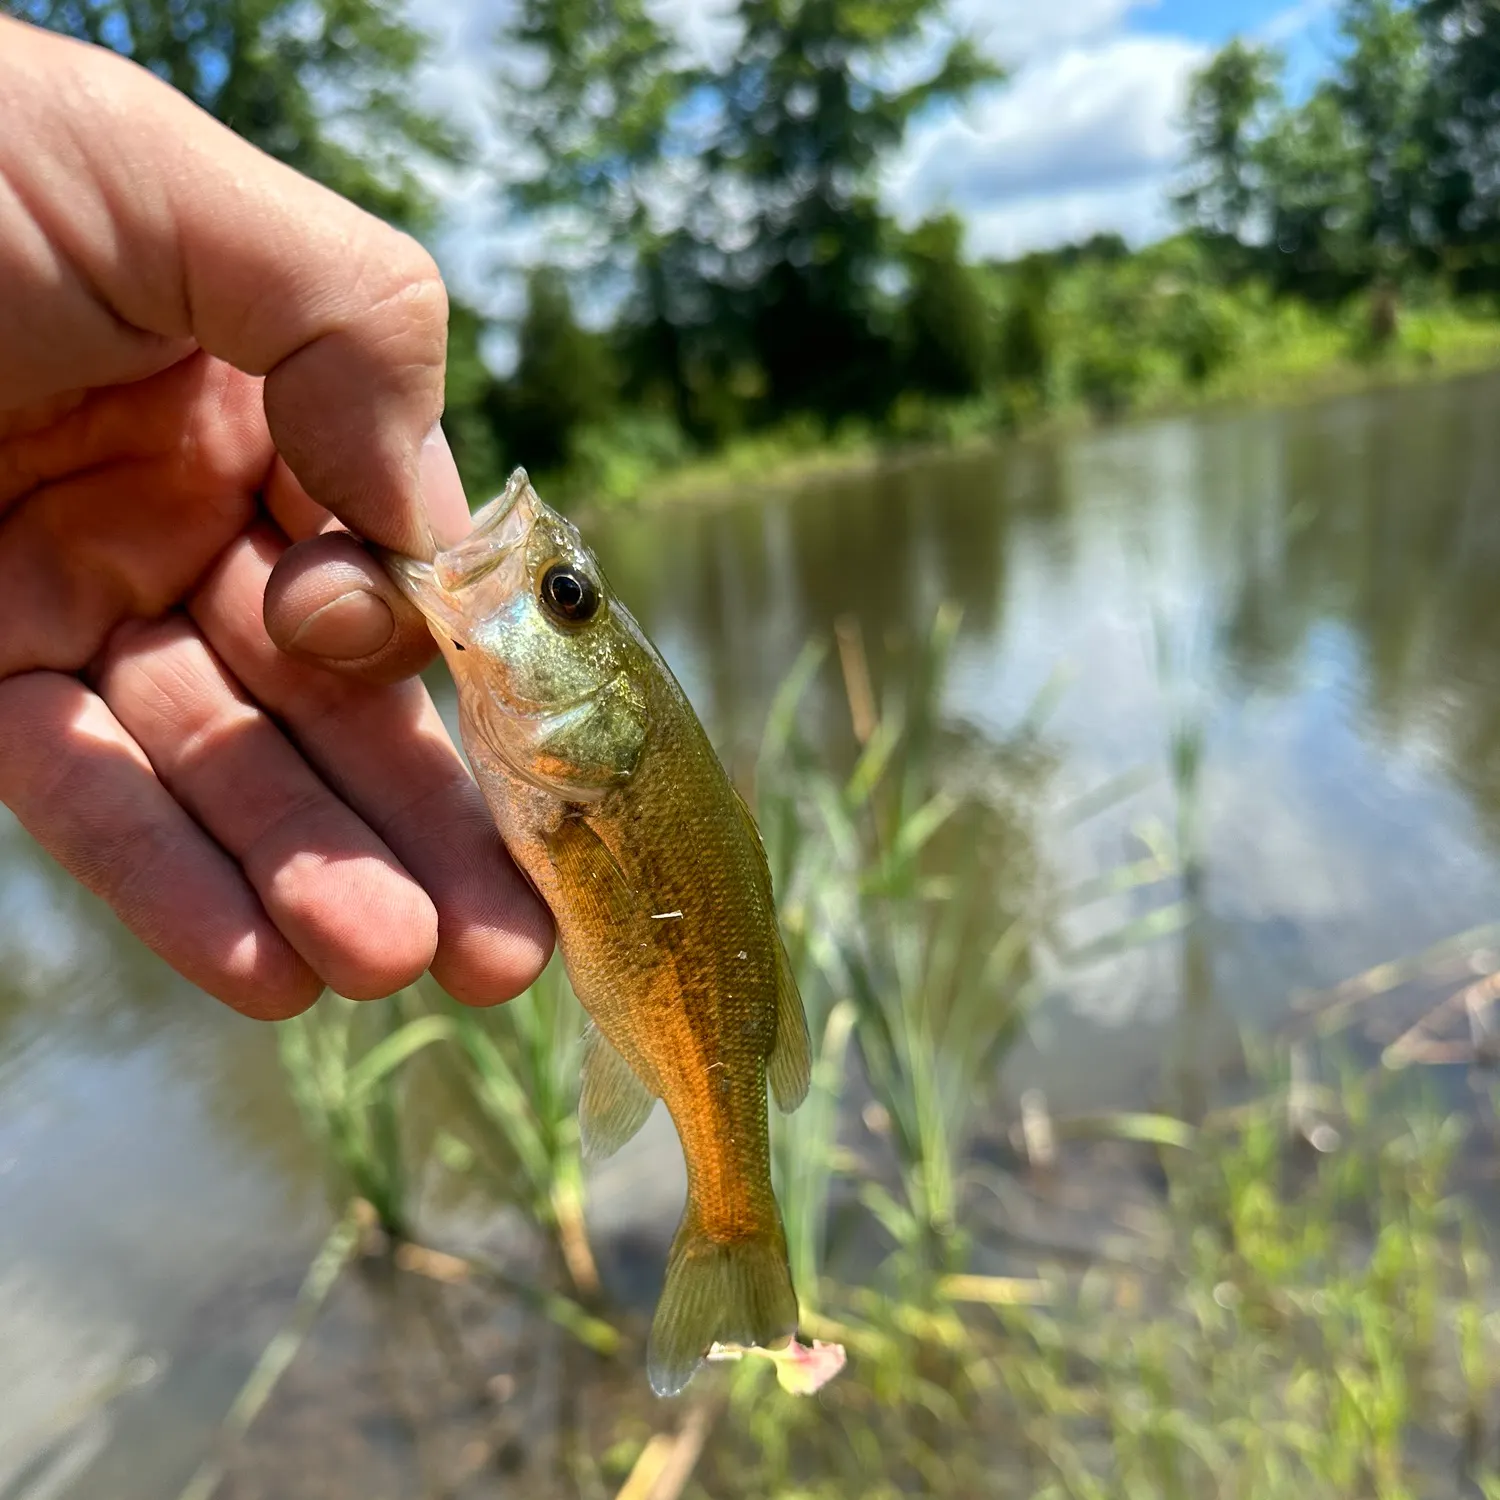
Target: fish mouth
{"x": 500, "y": 528}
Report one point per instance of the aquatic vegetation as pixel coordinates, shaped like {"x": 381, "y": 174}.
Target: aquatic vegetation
{"x": 1287, "y": 1296}
{"x": 1282, "y": 1327}
{"x": 899, "y": 949}
{"x": 351, "y": 1091}
{"x": 517, "y": 1066}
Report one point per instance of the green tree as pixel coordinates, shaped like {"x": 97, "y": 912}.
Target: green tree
{"x": 1460, "y": 137}
{"x": 945, "y": 321}
{"x": 562, "y": 381}
{"x": 1317, "y": 199}
{"x": 743, "y": 195}
{"x": 323, "y": 85}
{"x": 1380, "y": 89}
{"x": 1229, "y": 107}
{"x": 1024, "y": 348}
{"x": 683, "y": 348}
{"x": 590, "y": 88}
{"x": 807, "y": 117}
{"x": 1342, "y": 177}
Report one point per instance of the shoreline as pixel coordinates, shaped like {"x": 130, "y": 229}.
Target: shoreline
{"x": 761, "y": 468}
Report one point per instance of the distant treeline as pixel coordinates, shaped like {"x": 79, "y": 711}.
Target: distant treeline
{"x": 724, "y": 214}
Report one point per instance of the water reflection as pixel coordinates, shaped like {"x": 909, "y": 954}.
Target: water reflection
{"x": 1304, "y": 597}
{"x": 1389, "y": 527}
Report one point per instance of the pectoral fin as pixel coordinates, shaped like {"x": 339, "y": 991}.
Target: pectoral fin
{"x": 613, "y": 1103}
{"x": 591, "y": 873}
{"x": 790, "y": 1065}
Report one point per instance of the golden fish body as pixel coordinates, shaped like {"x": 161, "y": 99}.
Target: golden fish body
{"x": 611, "y": 799}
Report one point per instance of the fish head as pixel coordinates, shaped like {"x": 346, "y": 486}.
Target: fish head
{"x": 552, "y": 679}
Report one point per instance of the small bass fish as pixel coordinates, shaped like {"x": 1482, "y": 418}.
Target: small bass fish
{"x": 609, "y": 796}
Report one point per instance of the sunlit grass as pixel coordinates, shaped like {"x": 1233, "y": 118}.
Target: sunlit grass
{"x": 518, "y": 1066}
{"x": 1296, "y": 1326}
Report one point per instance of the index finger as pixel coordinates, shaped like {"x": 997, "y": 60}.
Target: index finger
{"x": 134, "y": 220}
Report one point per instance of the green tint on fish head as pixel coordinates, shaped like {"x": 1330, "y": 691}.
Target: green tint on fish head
{"x": 553, "y": 681}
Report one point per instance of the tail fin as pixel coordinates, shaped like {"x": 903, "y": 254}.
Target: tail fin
{"x": 718, "y": 1292}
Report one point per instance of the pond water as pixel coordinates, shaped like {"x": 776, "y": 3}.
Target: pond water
{"x": 1307, "y": 597}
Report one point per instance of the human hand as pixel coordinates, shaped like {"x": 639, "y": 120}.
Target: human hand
{"x": 204, "y": 358}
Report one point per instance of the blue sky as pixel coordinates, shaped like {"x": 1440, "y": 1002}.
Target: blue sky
{"x": 1208, "y": 20}
{"x": 1083, "y": 136}
{"x": 1305, "y": 32}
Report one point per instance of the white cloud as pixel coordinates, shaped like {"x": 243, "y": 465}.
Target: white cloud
{"x": 1138, "y": 212}
{"x": 1015, "y": 31}
{"x": 1010, "y": 30}
{"x": 1079, "y": 140}
{"x": 707, "y": 29}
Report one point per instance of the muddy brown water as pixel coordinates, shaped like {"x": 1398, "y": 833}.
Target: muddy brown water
{"x": 1309, "y": 595}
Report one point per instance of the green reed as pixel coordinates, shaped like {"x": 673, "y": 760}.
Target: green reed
{"x": 513, "y": 1071}
{"x": 890, "y": 949}
{"x": 517, "y": 1068}
{"x": 345, "y": 1066}
{"x": 805, "y": 872}
{"x": 1294, "y": 1323}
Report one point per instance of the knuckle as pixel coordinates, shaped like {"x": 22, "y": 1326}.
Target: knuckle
{"x": 417, "y": 274}
{"x": 407, "y": 300}
{"x": 279, "y": 856}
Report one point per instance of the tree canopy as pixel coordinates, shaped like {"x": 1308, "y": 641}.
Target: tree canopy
{"x": 739, "y": 195}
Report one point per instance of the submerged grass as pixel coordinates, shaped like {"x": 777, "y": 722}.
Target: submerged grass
{"x": 1289, "y": 1298}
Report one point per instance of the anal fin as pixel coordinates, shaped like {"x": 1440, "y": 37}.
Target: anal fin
{"x": 613, "y": 1103}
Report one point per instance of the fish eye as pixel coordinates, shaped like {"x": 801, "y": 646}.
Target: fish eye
{"x": 568, "y": 594}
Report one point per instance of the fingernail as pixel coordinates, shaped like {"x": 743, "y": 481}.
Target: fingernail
{"x": 443, "y": 491}
{"x": 354, "y": 625}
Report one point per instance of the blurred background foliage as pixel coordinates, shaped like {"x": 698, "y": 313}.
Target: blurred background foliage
{"x": 718, "y": 273}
